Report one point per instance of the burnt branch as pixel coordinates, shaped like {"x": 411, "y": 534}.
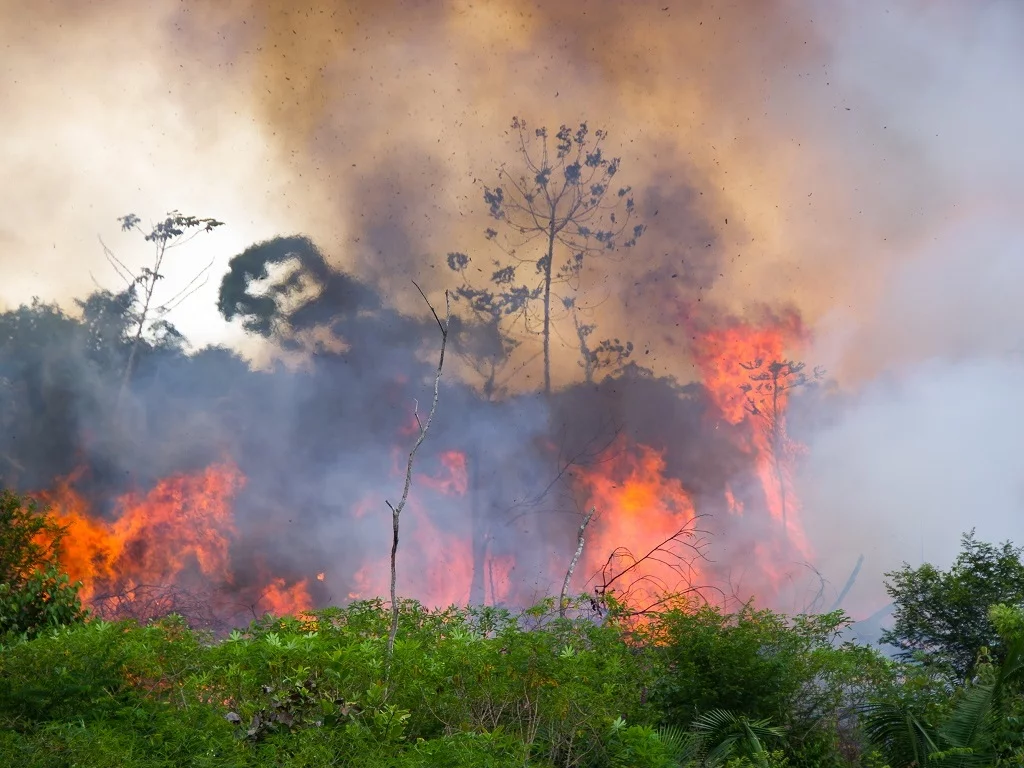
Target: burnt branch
{"x": 623, "y": 579}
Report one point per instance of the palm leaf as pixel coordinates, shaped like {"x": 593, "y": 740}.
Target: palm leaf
{"x": 903, "y": 739}
{"x": 730, "y": 735}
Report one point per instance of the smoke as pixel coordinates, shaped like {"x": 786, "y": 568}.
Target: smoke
{"x": 858, "y": 161}
{"x": 923, "y": 446}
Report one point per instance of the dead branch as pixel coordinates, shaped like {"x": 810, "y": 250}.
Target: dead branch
{"x": 575, "y": 559}
{"x": 396, "y": 510}
{"x": 623, "y": 576}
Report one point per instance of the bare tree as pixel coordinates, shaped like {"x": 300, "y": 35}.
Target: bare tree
{"x": 766, "y": 400}
{"x": 558, "y": 208}
{"x": 396, "y": 509}
{"x": 174, "y": 231}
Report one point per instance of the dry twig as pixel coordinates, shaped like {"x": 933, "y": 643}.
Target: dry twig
{"x": 396, "y": 509}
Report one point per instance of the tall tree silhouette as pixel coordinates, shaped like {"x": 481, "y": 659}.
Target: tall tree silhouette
{"x": 556, "y": 207}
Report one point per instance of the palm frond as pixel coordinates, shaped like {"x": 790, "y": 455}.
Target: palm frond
{"x": 900, "y": 735}
{"x": 730, "y": 735}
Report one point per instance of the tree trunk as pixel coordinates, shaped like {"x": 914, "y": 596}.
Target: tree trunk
{"x": 547, "y": 304}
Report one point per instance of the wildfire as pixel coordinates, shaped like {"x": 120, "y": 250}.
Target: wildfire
{"x": 746, "y": 374}
{"x": 278, "y": 598}
{"x": 640, "y": 545}
{"x": 178, "y": 535}
{"x": 441, "y": 562}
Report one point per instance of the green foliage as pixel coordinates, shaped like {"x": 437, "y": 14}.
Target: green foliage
{"x": 641, "y": 746}
{"x": 979, "y": 728}
{"x": 726, "y": 736}
{"x": 489, "y": 687}
{"x": 763, "y": 666}
{"x": 34, "y": 594}
{"x": 942, "y": 617}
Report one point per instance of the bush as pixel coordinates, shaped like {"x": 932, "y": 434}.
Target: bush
{"x": 34, "y": 594}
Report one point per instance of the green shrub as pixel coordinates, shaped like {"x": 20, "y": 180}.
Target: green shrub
{"x": 34, "y": 594}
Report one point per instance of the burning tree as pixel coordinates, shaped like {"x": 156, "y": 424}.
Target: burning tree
{"x": 557, "y": 209}
{"x": 766, "y": 399}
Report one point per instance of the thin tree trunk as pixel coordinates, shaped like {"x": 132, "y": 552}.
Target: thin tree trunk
{"x": 572, "y": 564}
{"x": 547, "y": 305}
{"x": 396, "y": 509}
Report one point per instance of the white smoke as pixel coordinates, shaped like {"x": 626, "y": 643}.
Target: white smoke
{"x": 927, "y": 445}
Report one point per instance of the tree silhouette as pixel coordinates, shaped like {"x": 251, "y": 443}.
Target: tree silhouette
{"x": 766, "y": 400}
{"x": 557, "y": 208}
{"x": 175, "y": 230}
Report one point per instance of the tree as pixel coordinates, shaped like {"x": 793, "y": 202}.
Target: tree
{"x": 977, "y": 729}
{"x": 34, "y": 594}
{"x": 422, "y": 428}
{"x": 766, "y": 399}
{"x": 942, "y": 617}
{"x": 174, "y": 231}
{"x": 558, "y": 208}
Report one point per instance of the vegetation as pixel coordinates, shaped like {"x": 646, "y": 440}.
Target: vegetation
{"x": 34, "y": 594}
{"x": 567, "y": 683}
{"x": 481, "y": 686}
{"x": 943, "y": 618}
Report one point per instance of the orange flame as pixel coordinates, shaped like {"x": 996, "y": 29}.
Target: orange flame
{"x": 736, "y": 363}
{"x": 637, "y": 542}
{"x": 177, "y": 533}
{"x": 280, "y": 599}
{"x": 184, "y": 523}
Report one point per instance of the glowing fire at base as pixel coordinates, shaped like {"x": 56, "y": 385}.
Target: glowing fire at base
{"x": 642, "y": 544}
{"x": 178, "y": 535}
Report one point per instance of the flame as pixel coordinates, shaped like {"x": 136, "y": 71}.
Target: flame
{"x": 183, "y": 524}
{"x": 434, "y": 566}
{"x": 177, "y": 535}
{"x": 279, "y": 599}
{"x": 637, "y": 542}
{"x": 736, "y": 365}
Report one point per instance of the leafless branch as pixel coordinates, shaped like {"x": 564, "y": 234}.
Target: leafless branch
{"x": 396, "y": 509}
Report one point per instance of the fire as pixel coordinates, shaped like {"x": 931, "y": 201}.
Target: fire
{"x": 435, "y": 566}
{"x": 746, "y": 374}
{"x": 639, "y": 543}
{"x": 279, "y": 599}
{"x": 184, "y": 523}
{"x": 175, "y": 537}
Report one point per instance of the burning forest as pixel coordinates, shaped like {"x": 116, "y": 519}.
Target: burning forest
{"x": 699, "y": 284}
{"x": 222, "y": 491}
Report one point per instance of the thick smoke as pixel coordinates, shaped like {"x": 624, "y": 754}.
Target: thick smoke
{"x": 854, "y": 159}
